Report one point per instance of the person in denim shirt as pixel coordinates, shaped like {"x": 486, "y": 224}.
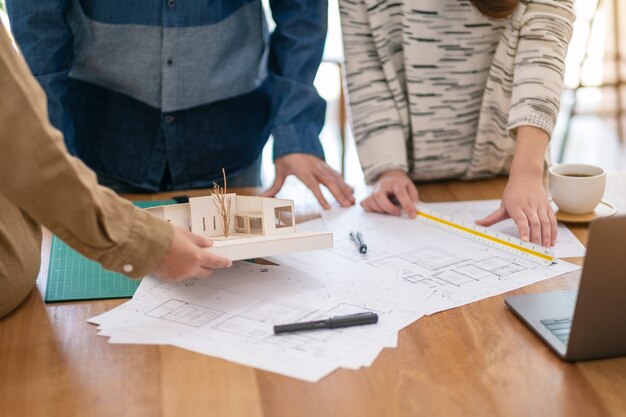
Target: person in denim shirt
{"x": 161, "y": 95}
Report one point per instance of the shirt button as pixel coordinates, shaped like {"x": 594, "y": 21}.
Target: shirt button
{"x": 170, "y": 62}
{"x": 169, "y": 119}
{"x": 171, "y": 3}
{"x": 128, "y": 268}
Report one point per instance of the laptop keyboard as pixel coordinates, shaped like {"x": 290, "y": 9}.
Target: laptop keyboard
{"x": 559, "y": 328}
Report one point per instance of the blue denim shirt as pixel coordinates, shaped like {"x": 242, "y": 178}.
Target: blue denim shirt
{"x": 191, "y": 85}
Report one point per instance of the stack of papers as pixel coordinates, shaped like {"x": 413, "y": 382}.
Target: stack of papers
{"x": 410, "y": 269}
{"x": 231, "y": 316}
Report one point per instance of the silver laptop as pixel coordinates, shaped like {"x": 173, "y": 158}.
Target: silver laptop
{"x": 589, "y": 323}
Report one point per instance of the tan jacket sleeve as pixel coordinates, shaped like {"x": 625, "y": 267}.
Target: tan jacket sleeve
{"x": 58, "y": 191}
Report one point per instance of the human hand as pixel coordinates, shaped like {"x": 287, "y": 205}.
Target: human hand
{"x": 396, "y": 185}
{"x": 188, "y": 258}
{"x": 525, "y": 201}
{"x": 312, "y": 171}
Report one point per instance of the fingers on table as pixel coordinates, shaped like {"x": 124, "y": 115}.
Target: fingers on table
{"x": 538, "y": 226}
{"x": 405, "y": 199}
{"x": 521, "y": 221}
{"x": 535, "y": 225}
{"x": 369, "y": 204}
{"x": 553, "y": 225}
{"x": 314, "y": 185}
{"x": 332, "y": 180}
{"x": 276, "y": 186}
{"x": 382, "y": 198}
{"x": 495, "y": 217}
{"x": 546, "y": 227}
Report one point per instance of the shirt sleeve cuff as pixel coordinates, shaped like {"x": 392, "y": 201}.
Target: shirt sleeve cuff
{"x": 542, "y": 122}
{"x": 289, "y": 139}
{"x": 148, "y": 240}
{"x": 372, "y": 173}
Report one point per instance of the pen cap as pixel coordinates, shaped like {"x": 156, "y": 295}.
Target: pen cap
{"x": 354, "y": 320}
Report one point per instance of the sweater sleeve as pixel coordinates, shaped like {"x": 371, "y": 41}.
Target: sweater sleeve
{"x": 544, "y": 34}
{"x": 379, "y": 130}
{"x": 60, "y": 192}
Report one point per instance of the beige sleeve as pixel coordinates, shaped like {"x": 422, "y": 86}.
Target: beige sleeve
{"x": 60, "y": 192}
{"x": 545, "y": 30}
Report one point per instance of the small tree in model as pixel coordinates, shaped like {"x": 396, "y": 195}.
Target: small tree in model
{"x": 222, "y": 203}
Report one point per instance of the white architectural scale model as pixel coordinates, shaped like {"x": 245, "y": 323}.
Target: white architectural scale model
{"x": 243, "y": 227}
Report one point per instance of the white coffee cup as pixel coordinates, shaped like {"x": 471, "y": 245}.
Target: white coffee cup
{"x": 577, "y": 188}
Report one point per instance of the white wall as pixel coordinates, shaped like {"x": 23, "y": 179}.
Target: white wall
{"x": 249, "y": 204}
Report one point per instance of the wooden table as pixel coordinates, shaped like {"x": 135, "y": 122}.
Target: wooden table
{"x": 475, "y": 360}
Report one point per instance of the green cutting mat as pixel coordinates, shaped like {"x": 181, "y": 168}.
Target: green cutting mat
{"x": 71, "y": 276}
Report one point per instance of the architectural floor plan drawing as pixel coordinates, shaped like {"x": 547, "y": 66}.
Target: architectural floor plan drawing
{"x": 257, "y": 321}
{"x": 459, "y": 280}
{"x": 411, "y": 268}
{"x": 345, "y": 248}
{"x": 232, "y": 316}
{"x": 461, "y": 270}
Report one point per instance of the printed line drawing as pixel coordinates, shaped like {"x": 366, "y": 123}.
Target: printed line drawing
{"x": 500, "y": 266}
{"x": 257, "y": 322}
{"x": 183, "y": 313}
{"x": 431, "y": 258}
{"x": 346, "y": 249}
{"x": 466, "y": 272}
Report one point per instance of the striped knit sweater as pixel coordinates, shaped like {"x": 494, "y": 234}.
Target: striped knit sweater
{"x": 438, "y": 90}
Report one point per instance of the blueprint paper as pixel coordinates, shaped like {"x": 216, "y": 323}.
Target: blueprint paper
{"x": 461, "y": 270}
{"x": 231, "y": 316}
{"x": 411, "y": 269}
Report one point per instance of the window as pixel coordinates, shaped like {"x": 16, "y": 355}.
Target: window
{"x": 256, "y": 225}
{"x": 242, "y": 224}
{"x": 283, "y": 217}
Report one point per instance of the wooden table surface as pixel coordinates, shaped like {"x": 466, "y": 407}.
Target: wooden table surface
{"x": 476, "y": 360}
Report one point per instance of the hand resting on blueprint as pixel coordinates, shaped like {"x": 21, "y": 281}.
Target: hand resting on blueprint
{"x": 187, "y": 258}
{"x": 313, "y": 172}
{"x": 524, "y": 200}
{"x": 394, "y": 191}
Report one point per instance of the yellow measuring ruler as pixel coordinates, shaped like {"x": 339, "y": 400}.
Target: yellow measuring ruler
{"x": 537, "y": 253}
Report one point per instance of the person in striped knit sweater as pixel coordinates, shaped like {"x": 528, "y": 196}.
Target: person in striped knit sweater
{"x": 457, "y": 89}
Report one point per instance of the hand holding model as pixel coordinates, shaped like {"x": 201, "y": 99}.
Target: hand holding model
{"x": 187, "y": 258}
